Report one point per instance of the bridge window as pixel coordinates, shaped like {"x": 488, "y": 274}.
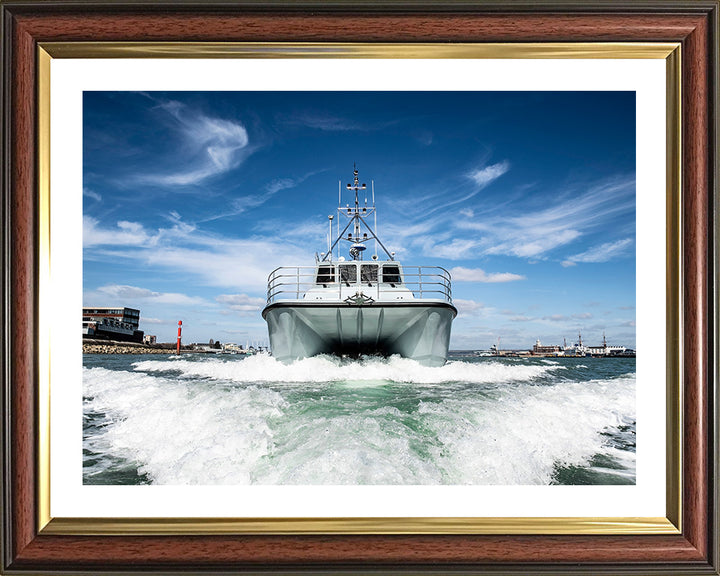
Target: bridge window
{"x": 348, "y": 273}
{"x": 325, "y": 275}
{"x": 368, "y": 273}
{"x": 391, "y": 274}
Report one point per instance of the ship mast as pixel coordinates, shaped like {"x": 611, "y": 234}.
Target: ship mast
{"x": 353, "y": 231}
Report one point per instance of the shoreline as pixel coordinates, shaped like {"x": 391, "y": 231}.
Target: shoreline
{"x": 93, "y": 346}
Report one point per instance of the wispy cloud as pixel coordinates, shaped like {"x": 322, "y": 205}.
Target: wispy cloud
{"x": 332, "y": 123}
{"x": 482, "y": 177}
{"x": 211, "y": 260}
{"x": 230, "y": 263}
{"x": 241, "y": 303}
{"x": 274, "y": 186}
{"x": 535, "y": 243}
{"x": 511, "y": 229}
{"x": 451, "y": 249}
{"x": 602, "y": 253}
{"x": 425, "y": 138}
{"x": 245, "y": 203}
{"x": 91, "y": 194}
{"x": 533, "y": 234}
{"x": 124, "y": 293}
{"x": 207, "y": 146}
{"x": 127, "y": 233}
{"x": 124, "y": 234}
{"x": 567, "y": 318}
{"x": 467, "y": 307}
{"x": 328, "y": 123}
{"x": 460, "y": 274}
{"x": 423, "y": 235}
{"x": 158, "y": 321}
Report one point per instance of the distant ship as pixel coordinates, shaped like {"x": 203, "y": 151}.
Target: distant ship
{"x": 604, "y": 351}
{"x": 359, "y": 307}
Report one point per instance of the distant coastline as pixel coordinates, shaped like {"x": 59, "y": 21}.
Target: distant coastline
{"x": 94, "y": 346}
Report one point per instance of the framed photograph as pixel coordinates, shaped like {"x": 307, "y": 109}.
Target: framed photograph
{"x": 438, "y": 372}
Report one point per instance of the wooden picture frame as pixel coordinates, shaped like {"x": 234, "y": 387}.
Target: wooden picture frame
{"x": 30, "y": 548}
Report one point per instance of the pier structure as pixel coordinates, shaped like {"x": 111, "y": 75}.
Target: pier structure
{"x": 579, "y": 349}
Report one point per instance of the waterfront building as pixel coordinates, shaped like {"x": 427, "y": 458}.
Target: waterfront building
{"x": 540, "y": 350}
{"x": 112, "y": 324}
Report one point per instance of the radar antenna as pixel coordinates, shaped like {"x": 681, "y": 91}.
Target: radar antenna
{"x": 353, "y": 231}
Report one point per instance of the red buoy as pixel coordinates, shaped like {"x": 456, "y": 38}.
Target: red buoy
{"x": 179, "y": 334}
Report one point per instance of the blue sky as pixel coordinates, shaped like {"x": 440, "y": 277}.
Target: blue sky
{"x": 190, "y": 199}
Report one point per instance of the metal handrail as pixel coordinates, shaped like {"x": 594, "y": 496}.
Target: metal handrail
{"x": 424, "y": 282}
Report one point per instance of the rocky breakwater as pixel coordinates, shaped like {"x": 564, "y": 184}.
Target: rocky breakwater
{"x": 114, "y": 347}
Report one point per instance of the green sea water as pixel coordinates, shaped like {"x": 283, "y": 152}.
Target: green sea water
{"x": 206, "y": 419}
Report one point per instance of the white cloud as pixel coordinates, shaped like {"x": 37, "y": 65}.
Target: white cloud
{"x": 128, "y": 233}
{"x": 460, "y": 274}
{"x": 556, "y": 318}
{"x": 467, "y": 307}
{"x": 211, "y": 260}
{"x": 602, "y": 253}
{"x": 241, "y": 303}
{"x": 280, "y": 184}
{"x": 209, "y": 146}
{"x": 231, "y": 263}
{"x": 485, "y": 176}
{"x": 455, "y": 249}
{"x": 120, "y": 292}
{"x": 134, "y": 228}
{"x": 146, "y": 320}
{"x": 566, "y": 318}
{"x": 543, "y": 241}
{"x": 124, "y": 234}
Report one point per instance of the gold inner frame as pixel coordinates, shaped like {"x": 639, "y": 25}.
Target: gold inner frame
{"x": 671, "y": 524}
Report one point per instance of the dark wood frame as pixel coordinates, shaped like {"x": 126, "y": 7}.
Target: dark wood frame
{"x": 692, "y": 23}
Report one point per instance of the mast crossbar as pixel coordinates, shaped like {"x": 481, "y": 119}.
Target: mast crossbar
{"x": 356, "y": 215}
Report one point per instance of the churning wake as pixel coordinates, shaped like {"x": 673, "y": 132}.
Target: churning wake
{"x": 233, "y": 420}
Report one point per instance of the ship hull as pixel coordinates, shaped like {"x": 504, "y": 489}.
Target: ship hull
{"x": 416, "y": 330}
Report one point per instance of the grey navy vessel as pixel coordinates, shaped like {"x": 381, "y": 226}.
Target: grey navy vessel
{"x": 358, "y": 306}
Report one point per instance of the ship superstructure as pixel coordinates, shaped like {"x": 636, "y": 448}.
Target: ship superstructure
{"x": 359, "y": 306}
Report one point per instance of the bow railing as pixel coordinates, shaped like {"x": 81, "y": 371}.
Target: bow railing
{"x": 379, "y": 281}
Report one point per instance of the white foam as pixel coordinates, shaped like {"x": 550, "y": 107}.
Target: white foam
{"x": 264, "y": 368}
{"x": 179, "y": 432}
{"x": 529, "y": 430}
{"x": 208, "y": 431}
